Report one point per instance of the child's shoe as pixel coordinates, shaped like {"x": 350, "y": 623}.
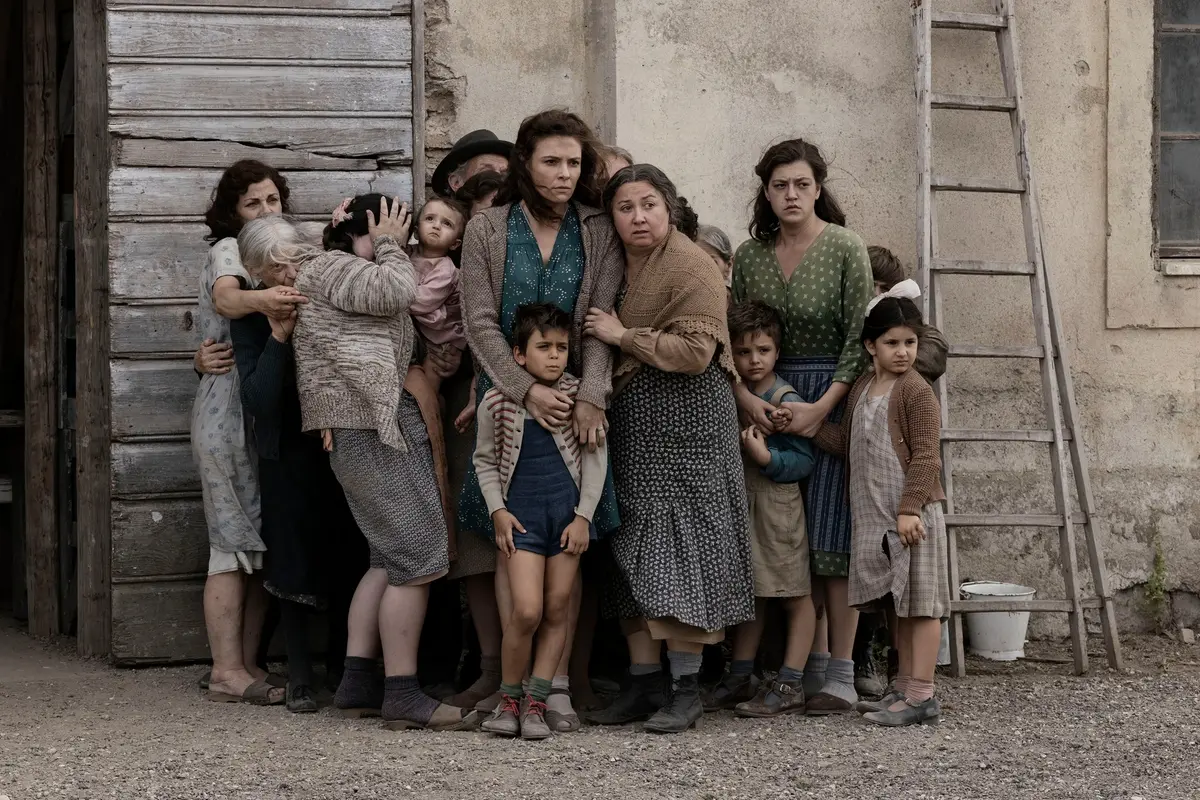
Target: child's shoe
{"x": 683, "y": 709}
{"x": 643, "y": 697}
{"x": 504, "y": 721}
{"x": 773, "y": 699}
{"x": 731, "y": 690}
{"x": 560, "y": 714}
{"x": 927, "y": 713}
{"x": 533, "y": 719}
{"x": 882, "y": 704}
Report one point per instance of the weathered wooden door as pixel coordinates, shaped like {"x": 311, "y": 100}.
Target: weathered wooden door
{"x": 321, "y": 89}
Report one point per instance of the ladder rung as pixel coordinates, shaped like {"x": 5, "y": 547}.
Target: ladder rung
{"x": 1011, "y": 520}
{"x": 953, "y": 20}
{"x": 970, "y": 102}
{"x": 987, "y": 351}
{"x": 985, "y": 606}
{"x": 943, "y": 184}
{"x": 950, "y": 267}
{"x": 982, "y": 435}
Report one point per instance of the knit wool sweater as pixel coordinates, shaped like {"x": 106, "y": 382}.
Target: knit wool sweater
{"x": 914, "y": 422}
{"x": 354, "y": 339}
{"x": 485, "y": 245}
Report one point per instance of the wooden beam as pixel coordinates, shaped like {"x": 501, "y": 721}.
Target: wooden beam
{"x": 94, "y": 513}
{"x": 41, "y": 315}
{"x": 418, "y": 104}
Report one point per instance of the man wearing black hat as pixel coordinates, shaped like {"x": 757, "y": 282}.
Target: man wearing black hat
{"x": 478, "y": 151}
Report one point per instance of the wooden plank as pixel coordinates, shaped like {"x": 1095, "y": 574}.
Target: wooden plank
{"x": 139, "y": 329}
{"x": 159, "y": 621}
{"x": 417, "y": 47}
{"x": 386, "y": 140}
{"x": 989, "y": 351}
{"x": 970, "y": 102}
{"x": 941, "y": 183}
{"x": 952, "y": 267}
{"x": 259, "y": 88}
{"x": 148, "y": 192}
{"x": 1010, "y": 520}
{"x": 145, "y": 34}
{"x": 954, "y": 20}
{"x": 158, "y": 537}
{"x": 152, "y": 398}
{"x": 91, "y": 303}
{"x": 144, "y": 469}
{"x": 155, "y": 259}
{"x": 41, "y": 314}
{"x": 173, "y": 153}
{"x": 378, "y": 7}
{"x": 12, "y": 419}
{"x": 989, "y": 435}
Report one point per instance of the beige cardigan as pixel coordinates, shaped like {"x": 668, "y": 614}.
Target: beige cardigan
{"x": 501, "y": 429}
{"x": 354, "y": 339}
{"x": 485, "y": 245}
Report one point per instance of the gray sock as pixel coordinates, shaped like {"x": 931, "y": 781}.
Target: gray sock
{"x": 740, "y": 667}
{"x": 839, "y": 679}
{"x": 786, "y": 673}
{"x": 684, "y": 663}
{"x": 644, "y": 669}
{"x": 403, "y": 699}
{"x": 814, "y": 673}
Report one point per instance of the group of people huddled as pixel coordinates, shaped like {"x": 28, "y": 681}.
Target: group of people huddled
{"x": 552, "y": 383}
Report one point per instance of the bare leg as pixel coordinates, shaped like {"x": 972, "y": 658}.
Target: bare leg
{"x": 581, "y": 648}
{"x": 560, "y": 596}
{"x": 746, "y": 637}
{"x": 821, "y": 631}
{"x": 642, "y": 648}
{"x": 802, "y": 619}
{"x": 254, "y": 614}
{"x": 925, "y": 638}
{"x": 362, "y": 637}
{"x": 401, "y": 615}
{"x": 224, "y": 600}
{"x": 485, "y": 613}
{"x": 843, "y": 620}
{"x": 572, "y": 622}
{"x": 504, "y": 601}
{"x": 526, "y": 573}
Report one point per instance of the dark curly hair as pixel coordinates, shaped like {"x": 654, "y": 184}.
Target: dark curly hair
{"x": 891, "y": 312}
{"x": 764, "y": 226}
{"x": 222, "y": 216}
{"x": 519, "y": 186}
{"x": 687, "y": 221}
{"x": 341, "y": 236}
{"x": 478, "y": 187}
{"x": 645, "y": 173}
{"x": 754, "y": 316}
{"x": 540, "y": 317}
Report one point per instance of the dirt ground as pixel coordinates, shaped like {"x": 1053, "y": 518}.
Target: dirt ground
{"x": 72, "y": 728}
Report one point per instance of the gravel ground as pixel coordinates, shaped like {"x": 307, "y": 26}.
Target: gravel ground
{"x": 70, "y": 728}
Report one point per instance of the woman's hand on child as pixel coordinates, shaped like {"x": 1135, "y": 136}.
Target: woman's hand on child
{"x": 911, "y": 529}
{"x": 327, "y": 440}
{"x": 279, "y": 302}
{"x": 550, "y": 407}
{"x": 756, "y": 411}
{"x": 504, "y": 522}
{"x": 462, "y": 423}
{"x": 806, "y": 418}
{"x": 392, "y": 222}
{"x": 603, "y": 326}
{"x": 576, "y": 537}
{"x": 755, "y": 445}
{"x": 590, "y": 425}
{"x": 443, "y": 359}
{"x": 782, "y": 418}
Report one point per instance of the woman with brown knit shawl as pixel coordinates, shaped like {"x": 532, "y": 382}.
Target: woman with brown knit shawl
{"x": 683, "y": 548}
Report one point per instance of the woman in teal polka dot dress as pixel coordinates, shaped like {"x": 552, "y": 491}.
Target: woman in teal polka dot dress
{"x": 802, "y": 262}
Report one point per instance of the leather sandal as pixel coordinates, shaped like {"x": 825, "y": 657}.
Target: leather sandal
{"x": 259, "y": 693}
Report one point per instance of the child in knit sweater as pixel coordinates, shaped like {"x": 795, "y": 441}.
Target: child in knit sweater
{"x": 541, "y": 488}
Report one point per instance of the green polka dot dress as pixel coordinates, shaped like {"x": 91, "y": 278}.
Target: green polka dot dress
{"x": 822, "y": 306}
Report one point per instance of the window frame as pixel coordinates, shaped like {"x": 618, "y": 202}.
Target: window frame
{"x": 1182, "y": 258}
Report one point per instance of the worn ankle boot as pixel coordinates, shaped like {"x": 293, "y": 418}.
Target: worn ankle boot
{"x": 638, "y": 701}
{"x": 683, "y": 709}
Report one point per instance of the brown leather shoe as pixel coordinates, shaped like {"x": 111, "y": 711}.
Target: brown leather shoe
{"x": 821, "y": 704}
{"x": 774, "y": 699}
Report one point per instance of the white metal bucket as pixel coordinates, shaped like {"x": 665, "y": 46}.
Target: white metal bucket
{"x": 997, "y": 635}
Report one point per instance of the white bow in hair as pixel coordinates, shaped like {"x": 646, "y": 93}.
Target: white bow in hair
{"x": 907, "y": 289}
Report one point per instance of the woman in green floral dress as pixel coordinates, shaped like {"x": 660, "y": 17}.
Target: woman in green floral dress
{"x": 802, "y": 262}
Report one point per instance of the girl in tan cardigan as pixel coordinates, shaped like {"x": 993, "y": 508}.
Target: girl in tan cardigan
{"x": 891, "y": 438}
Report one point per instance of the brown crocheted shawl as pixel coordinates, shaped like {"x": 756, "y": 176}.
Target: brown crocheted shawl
{"x": 679, "y": 290}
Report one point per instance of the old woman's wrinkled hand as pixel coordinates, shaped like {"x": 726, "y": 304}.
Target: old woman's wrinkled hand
{"x": 604, "y": 326}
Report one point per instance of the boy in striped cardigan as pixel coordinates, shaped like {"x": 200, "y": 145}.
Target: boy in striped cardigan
{"x": 541, "y": 488}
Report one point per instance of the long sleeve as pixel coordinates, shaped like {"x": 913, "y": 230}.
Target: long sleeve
{"x": 792, "y": 458}
{"x": 594, "y": 470}
{"x": 261, "y": 367}
{"x": 923, "y": 438}
{"x": 595, "y": 384}
{"x": 834, "y": 438}
{"x": 487, "y": 459}
{"x": 857, "y": 285}
{"x": 688, "y": 353}
{"x": 482, "y": 318}
{"x": 381, "y": 288}
{"x": 433, "y": 290}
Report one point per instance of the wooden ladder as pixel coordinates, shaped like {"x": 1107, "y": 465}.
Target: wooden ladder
{"x": 1058, "y": 392}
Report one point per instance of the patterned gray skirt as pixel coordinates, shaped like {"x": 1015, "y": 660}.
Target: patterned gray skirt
{"x": 394, "y": 496}
{"x": 683, "y": 548}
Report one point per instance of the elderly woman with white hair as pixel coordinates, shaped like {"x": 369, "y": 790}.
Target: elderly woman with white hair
{"x": 378, "y": 419}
